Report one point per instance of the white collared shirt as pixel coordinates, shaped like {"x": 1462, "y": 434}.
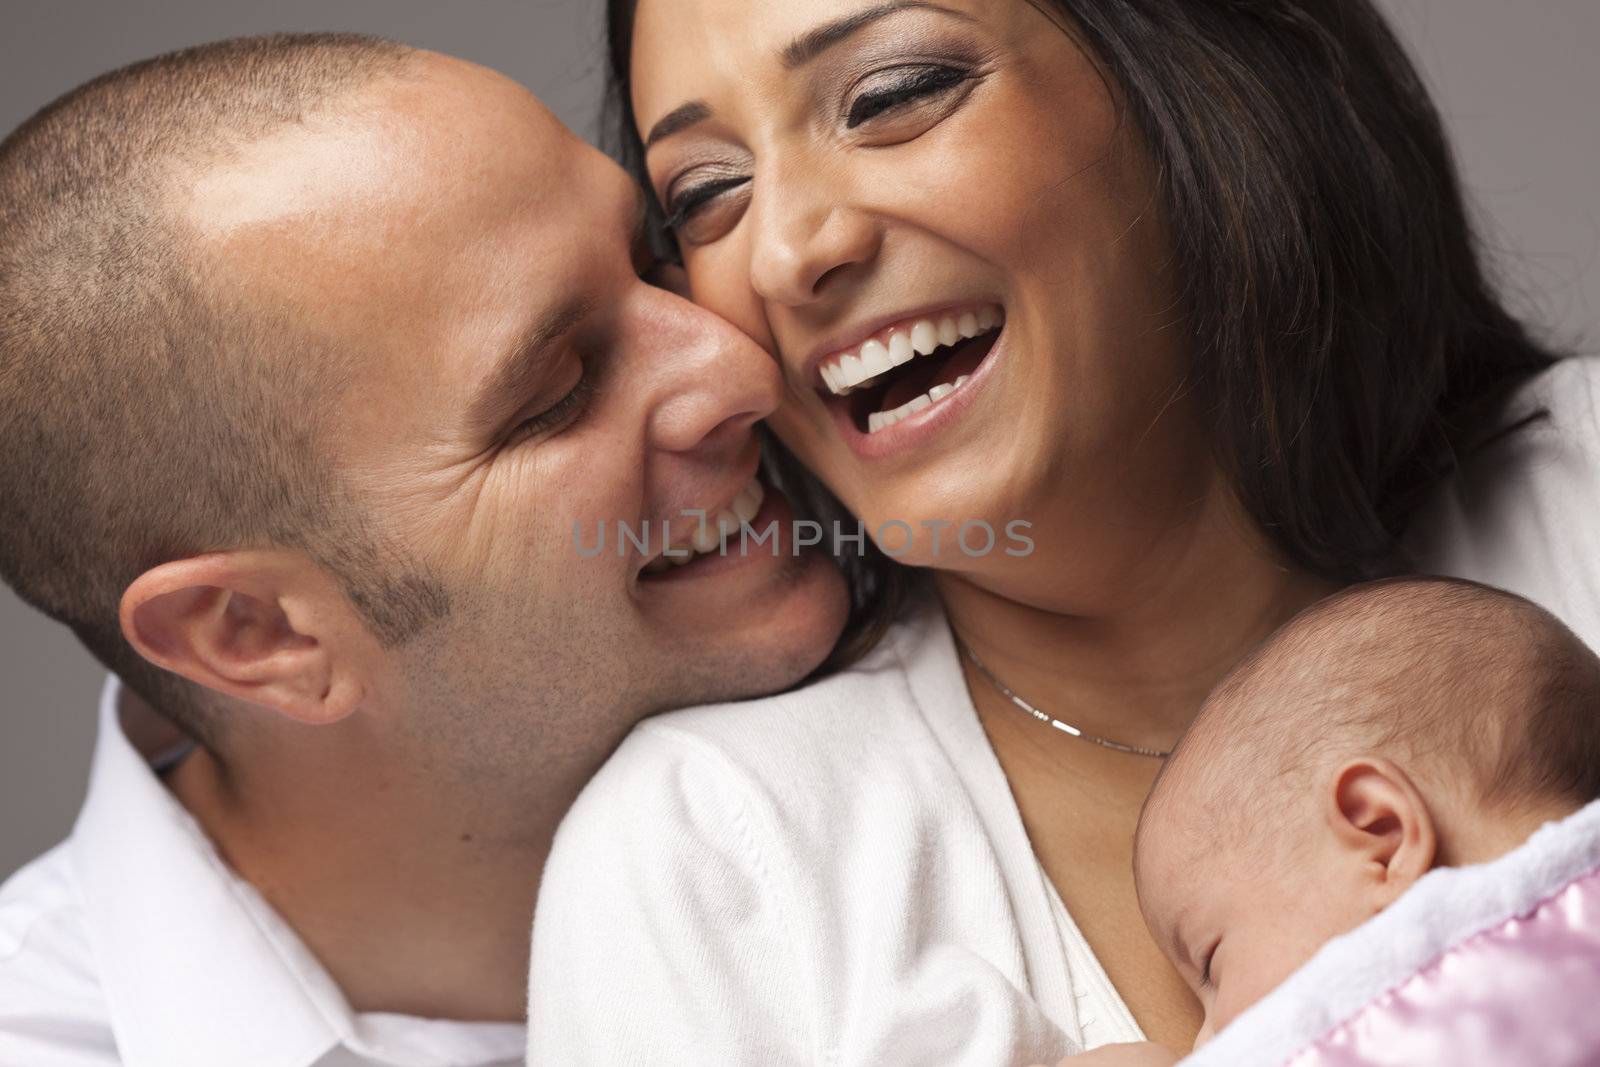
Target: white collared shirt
{"x": 133, "y": 943}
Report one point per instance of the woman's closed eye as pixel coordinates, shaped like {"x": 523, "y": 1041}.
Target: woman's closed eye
{"x": 898, "y": 89}
{"x": 891, "y": 106}
{"x": 684, "y": 204}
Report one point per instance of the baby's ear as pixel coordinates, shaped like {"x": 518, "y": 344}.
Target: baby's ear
{"x": 1380, "y": 819}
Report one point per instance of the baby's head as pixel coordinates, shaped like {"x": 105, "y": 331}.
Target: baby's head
{"x": 1393, "y": 728}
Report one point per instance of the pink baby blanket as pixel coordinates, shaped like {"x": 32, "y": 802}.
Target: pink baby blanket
{"x": 1496, "y": 965}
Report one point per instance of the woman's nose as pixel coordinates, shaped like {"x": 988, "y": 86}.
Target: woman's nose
{"x": 803, "y": 246}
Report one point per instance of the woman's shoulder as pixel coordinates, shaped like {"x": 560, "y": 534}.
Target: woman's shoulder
{"x": 1523, "y": 513}
{"x": 1548, "y": 448}
{"x": 806, "y": 875}
{"x": 788, "y": 797}
{"x": 799, "y": 758}
{"x": 1568, "y": 395}
{"x": 829, "y": 729}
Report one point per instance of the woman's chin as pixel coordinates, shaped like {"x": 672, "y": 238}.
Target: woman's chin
{"x": 957, "y": 539}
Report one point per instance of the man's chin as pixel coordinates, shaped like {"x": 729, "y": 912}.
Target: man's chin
{"x": 754, "y": 617}
{"x": 766, "y": 643}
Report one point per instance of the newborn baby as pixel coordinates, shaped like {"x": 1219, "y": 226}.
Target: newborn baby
{"x": 1391, "y": 729}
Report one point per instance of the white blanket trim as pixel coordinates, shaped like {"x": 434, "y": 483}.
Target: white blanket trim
{"x": 1445, "y": 907}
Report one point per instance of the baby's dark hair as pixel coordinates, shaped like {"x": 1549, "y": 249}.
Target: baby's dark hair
{"x": 1462, "y": 682}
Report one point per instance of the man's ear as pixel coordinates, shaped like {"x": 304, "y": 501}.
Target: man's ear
{"x": 1379, "y": 817}
{"x": 264, "y": 626}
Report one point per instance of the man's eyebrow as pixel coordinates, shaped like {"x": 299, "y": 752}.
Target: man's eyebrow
{"x": 812, "y": 44}
{"x": 519, "y": 369}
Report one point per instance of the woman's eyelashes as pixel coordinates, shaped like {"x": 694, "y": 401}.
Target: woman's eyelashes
{"x": 683, "y": 206}
{"x": 901, "y": 87}
{"x": 894, "y": 105}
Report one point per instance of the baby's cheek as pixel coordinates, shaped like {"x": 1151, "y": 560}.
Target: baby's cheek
{"x": 1256, "y": 965}
{"x": 1241, "y": 987}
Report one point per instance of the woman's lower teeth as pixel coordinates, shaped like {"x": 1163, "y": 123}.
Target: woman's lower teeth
{"x": 882, "y": 420}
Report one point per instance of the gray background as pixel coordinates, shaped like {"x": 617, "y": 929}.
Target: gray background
{"x": 1516, "y": 80}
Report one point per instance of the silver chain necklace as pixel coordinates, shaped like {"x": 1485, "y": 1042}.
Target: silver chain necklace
{"x": 1049, "y": 720}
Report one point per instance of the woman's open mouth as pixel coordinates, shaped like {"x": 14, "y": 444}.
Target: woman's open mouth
{"x": 911, "y": 366}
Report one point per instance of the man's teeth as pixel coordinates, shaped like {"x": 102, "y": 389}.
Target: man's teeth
{"x": 921, "y": 338}
{"x": 708, "y": 536}
{"x": 882, "y": 420}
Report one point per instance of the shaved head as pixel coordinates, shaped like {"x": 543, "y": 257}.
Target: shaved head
{"x": 149, "y": 408}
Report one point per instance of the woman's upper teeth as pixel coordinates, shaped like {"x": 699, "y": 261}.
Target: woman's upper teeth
{"x": 902, "y": 344}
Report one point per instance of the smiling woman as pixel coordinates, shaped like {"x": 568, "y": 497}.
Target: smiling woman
{"x": 1336, "y": 327}
{"x": 1192, "y": 290}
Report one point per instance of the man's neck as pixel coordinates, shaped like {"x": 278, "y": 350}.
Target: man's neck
{"x": 416, "y": 901}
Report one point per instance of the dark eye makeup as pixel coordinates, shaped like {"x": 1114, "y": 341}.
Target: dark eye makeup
{"x": 681, "y": 207}
{"x": 906, "y": 85}
{"x": 894, "y": 89}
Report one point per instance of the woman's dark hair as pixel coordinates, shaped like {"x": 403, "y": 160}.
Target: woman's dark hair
{"x": 1349, "y": 347}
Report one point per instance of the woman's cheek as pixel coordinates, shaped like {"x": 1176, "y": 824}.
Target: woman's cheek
{"x": 808, "y": 432}
{"x": 719, "y": 281}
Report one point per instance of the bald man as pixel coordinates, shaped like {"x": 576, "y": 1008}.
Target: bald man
{"x": 314, "y": 350}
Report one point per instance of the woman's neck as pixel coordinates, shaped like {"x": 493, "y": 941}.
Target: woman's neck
{"x": 1136, "y": 666}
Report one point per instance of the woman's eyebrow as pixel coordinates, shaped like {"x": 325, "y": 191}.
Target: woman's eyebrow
{"x": 812, "y": 44}
{"x": 797, "y": 53}
{"x": 677, "y": 120}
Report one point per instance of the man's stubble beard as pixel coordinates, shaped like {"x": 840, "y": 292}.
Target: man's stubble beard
{"x": 503, "y": 701}
{"x": 734, "y": 674}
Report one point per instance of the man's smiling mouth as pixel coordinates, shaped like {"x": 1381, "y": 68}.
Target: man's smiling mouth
{"x": 910, "y": 366}
{"x": 711, "y": 535}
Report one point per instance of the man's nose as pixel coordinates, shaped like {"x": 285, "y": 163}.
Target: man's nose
{"x": 711, "y": 382}
{"x": 806, "y": 239}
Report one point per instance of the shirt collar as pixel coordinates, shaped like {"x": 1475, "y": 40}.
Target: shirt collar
{"x": 197, "y": 968}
